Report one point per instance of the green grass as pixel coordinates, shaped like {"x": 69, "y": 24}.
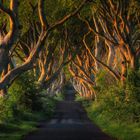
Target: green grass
{"x": 26, "y": 121}
{"x": 118, "y": 129}
{"x": 59, "y": 97}
{"x": 17, "y": 129}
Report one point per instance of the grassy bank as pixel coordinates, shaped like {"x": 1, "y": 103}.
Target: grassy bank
{"x": 117, "y": 109}
{"x": 24, "y": 107}
{"x": 119, "y": 129}
{"x": 16, "y": 129}
{"x": 25, "y": 122}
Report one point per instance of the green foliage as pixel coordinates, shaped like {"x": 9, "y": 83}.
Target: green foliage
{"x": 122, "y": 101}
{"x": 6, "y": 109}
{"x": 83, "y": 100}
{"x": 125, "y": 100}
{"x": 24, "y": 92}
{"x": 117, "y": 109}
{"x": 22, "y": 97}
{"x": 23, "y": 107}
{"x": 17, "y": 129}
{"x": 57, "y": 9}
{"x": 103, "y": 81}
{"x": 25, "y": 14}
{"x": 48, "y": 105}
{"x": 117, "y": 129}
{"x": 79, "y": 98}
{"x": 59, "y": 96}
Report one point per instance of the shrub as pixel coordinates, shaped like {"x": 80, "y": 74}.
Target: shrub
{"x": 119, "y": 102}
{"x": 22, "y": 97}
{"x": 24, "y": 92}
{"x": 6, "y": 109}
{"x": 48, "y": 105}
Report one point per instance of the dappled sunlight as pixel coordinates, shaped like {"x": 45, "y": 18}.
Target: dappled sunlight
{"x": 74, "y": 56}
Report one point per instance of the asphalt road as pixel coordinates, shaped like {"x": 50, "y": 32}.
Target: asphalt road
{"x": 70, "y": 122}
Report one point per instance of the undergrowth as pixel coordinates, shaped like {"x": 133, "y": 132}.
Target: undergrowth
{"x": 23, "y": 107}
{"x": 117, "y": 109}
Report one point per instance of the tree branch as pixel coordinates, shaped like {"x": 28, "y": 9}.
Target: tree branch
{"x": 116, "y": 76}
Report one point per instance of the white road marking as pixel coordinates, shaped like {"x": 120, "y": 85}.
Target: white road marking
{"x": 54, "y": 121}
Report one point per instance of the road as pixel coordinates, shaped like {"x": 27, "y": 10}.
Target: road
{"x": 70, "y": 122}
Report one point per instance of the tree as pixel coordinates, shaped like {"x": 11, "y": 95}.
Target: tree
{"x": 38, "y": 45}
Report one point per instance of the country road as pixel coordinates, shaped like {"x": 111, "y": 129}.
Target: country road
{"x": 70, "y": 122}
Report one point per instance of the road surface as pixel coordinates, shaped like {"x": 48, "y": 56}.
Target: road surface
{"x": 70, "y": 122}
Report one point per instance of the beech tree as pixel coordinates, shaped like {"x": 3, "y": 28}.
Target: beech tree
{"x": 101, "y": 35}
{"x": 115, "y": 43}
{"x": 116, "y": 33}
{"x": 8, "y": 40}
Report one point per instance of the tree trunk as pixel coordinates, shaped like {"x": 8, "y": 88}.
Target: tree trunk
{"x": 4, "y": 60}
{"x": 133, "y": 62}
{"x": 123, "y": 71}
{"x": 3, "y": 92}
{"x": 111, "y": 55}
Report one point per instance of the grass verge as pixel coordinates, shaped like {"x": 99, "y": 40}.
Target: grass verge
{"x": 122, "y": 130}
{"x": 26, "y": 122}
{"x": 17, "y": 129}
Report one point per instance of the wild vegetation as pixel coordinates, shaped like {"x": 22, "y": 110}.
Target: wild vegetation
{"x": 94, "y": 44}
